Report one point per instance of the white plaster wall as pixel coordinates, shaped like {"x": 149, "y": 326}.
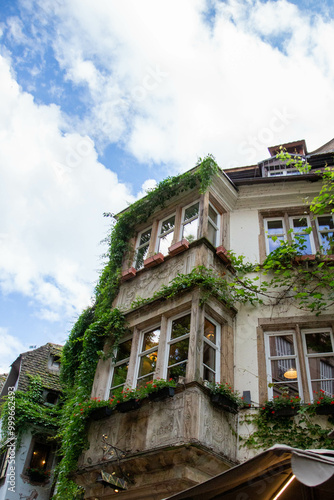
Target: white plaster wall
{"x": 26, "y": 490}
{"x": 244, "y": 234}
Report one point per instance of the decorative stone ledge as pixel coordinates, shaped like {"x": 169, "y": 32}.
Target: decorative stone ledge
{"x": 153, "y": 261}
{"x": 129, "y": 274}
{"x": 223, "y": 254}
{"x": 178, "y": 247}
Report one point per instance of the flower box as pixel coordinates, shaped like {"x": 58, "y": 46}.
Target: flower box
{"x": 326, "y": 409}
{"x": 99, "y": 413}
{"x": 155, "y": 260}
{"x": 223, "y": 254}
{"x": 163, "y": 393}
{"x": 178, "y": 247}
{"x": 129, "y": 274}
{"x": 37, "y": 475}
{"x": 224, "y": 402}
{"x": 284, "y": 412}
{"x": 129, "y": 405}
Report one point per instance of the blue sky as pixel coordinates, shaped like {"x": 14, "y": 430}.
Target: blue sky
{"x": 100, "y": 99}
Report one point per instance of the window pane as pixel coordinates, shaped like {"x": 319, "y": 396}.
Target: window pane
{"x": 208, "y": 375}
{"x": 177, "y": 371}
{"x": 321, "y": 368}
{"x": 123, "y": 350}
{"x": 151, "y": 339}
{"x": 167, "y": 224}
{"x": 318, "y": 342}
{"x": 191, "y": 211}
{"x": 280, "y": 367}
{"x": 291, "y": 388}
{"x": 120, "y": 374}
{"x": 212, "y": 234}
{"x": 144, "y": 380}
{"x": 165, "y": 242}
{"x": 275, "y": 227}
{"x": 190, "y": 230}
{"x": 327, "y": 242}
{"x": 40, "y": 456}
{"x": 300, "y": 225}
{"x": 324, "y": 385}
{"x": 145, "y": 237}
{"x": 209, "y": 356}
{"x": 209, "y": 331}
{"x": 148, "y": 363}
{"x": 141, "y": 256}
{"x": 213, "y": 215}
{"x": 306, "y": 242}
{"x": 275, "y": 244}
{"x": 180, "y": 326}
{"x": 281, "y": 345}
{"x": 178, "y": 352}
{"x": 325, "y": 222}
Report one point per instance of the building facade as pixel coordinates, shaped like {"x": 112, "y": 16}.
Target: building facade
{"x": 167, "y": 446}
{"x": 27, "y": 465}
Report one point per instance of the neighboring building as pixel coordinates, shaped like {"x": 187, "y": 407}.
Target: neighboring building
{"x": 168, "y": 446}
{"x": 36, "y": 451}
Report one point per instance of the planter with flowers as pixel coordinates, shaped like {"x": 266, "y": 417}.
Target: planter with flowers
{"x": 224, "y": 397}
{"x": 323, "y": 404}
{"x": 159, "y": 389}
{"x": 283, "y": 405}
{"x": 126, "y": 400}
{"x": 37, "y": 474}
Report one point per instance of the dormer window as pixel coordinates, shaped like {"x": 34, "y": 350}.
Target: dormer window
{"x": 274, "y": 167}
{"x": 54, "y": 362}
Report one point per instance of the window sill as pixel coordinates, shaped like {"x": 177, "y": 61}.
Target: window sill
{"x": 223, "y": 254}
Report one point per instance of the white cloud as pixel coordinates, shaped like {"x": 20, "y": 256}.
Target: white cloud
{"x": 169, "y": 87}
{"x": 54, "y": 193}
{"x": 11, "y": 348}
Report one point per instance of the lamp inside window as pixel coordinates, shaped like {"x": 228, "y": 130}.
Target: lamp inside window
{"x": 291, "y": 373}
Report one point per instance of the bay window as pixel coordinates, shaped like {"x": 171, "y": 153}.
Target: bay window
{"x": 142, "y": 247}
{"x": 121, "y": 365}
{"x": 148, "y": 355}
{"x": 178, "y": 346}
{"x": 189, "y": 225}
{"x": 166, "y": 234}
{"x": 211, "y": 344}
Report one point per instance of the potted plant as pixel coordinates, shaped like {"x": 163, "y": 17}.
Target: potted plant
{"x": 283, "y": 405}
{"x": 223, "y": 396}
{"x": 37, "y": 474}
{"x": 159, "y": 389}
{"x": 323, "y": 404}
{"x": 126, "y": 400}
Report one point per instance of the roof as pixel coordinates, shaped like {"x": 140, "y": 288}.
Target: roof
{"x": 326, "y": 148}
{"x": 310, "y": 474}
{"x": 36, "y": 362}
{"x": 3, "y": 378}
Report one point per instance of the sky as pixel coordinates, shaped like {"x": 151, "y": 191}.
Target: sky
{"x": 101, "y": 99}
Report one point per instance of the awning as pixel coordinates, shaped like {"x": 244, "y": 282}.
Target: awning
{"x": 306, "y": 474}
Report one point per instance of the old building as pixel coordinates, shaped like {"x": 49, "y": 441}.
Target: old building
{"x": 167, "y": 446}
{"x": 34, "y": 458}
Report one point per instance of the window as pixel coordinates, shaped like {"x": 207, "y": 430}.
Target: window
{"x": 213, "y": 225}
{"x": 284, "y": 370}
{"x": 325, "y": 227}
{"x": 54, "y": 362}
{"x": 300, "y": 225}
{"x": 148, "y": 355}
{"x": 276, "y": 232}
{"x": 143, "y": 244}
{"x": 282, "y": 363}
{"x": 189, "y": 226}
{"x": 40, "y": 455}
{"x": 319, "y": 351}
{"x": 166, "y": 234}
{"x": 274, "y": 227}
{"x": 178, "y": 346}
{"x": 121, "y": 364}
{"x": 211, "y": 339}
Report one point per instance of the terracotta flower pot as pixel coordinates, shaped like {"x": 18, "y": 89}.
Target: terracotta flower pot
{"x": 223, "y": 254}
{"x": 129, "y": 274}
{"x": 153, "y": 261}
{"x": 178, "y": 247}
